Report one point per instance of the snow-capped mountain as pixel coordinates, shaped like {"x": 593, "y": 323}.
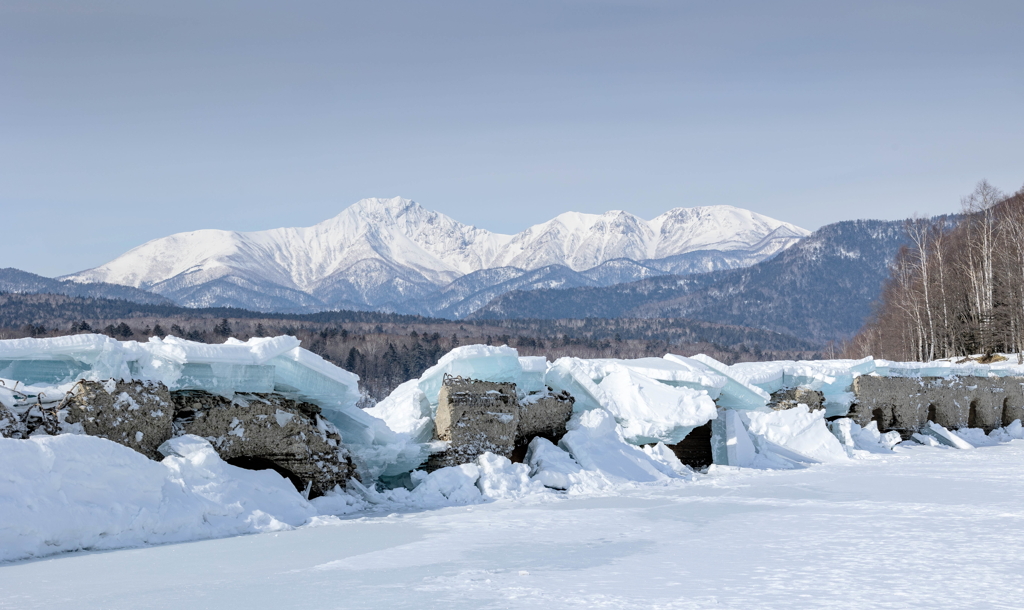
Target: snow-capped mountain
{"x": 393, "y": 254}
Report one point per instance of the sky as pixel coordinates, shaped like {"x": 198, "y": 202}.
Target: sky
{"x": 122, "y": 122}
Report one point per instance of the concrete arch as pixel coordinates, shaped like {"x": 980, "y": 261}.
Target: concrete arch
{"x": 972, "y": 415}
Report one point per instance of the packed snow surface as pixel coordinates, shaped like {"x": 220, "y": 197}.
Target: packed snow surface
{"x": 923, "y": 527}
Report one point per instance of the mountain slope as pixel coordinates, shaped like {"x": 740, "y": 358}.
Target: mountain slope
{"x": 820, "y": 289}
{"x": 381, "y": 253}
{"x": 17, "y": 281}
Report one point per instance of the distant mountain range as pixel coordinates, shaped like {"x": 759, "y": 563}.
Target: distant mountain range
{"x": 715, "y": 264}
{"x": 394, "y": 255}
{"x": 820, "y": 289}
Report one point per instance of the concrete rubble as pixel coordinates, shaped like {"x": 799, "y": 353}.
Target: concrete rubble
{"x": 261, "y": 431}
{"x": 788, "y": 398}
{"x": 475, "y": 417}
{"x": 255, "y": 431}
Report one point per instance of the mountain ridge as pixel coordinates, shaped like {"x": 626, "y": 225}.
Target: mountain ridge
{"x": 820, "y": 289}
{"x": 381, "y": 253}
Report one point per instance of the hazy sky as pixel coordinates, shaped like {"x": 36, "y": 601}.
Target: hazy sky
{"x": 121, "y": 122}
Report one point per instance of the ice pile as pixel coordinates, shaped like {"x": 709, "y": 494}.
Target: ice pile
{"x": 272, "y": 364}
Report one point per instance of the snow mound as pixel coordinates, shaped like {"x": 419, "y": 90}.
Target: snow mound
{"x": 596, "y": 443}
{"x": 69, "y": 493}
{"x": 654, "y": 399}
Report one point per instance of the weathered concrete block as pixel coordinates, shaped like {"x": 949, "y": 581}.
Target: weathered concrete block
{"x": 267, "y": 431}
{"x": 544, "y": 415}
{"x": 788, "y": 398}
{"x": 474, "y": 417}
{"x": 905, "y": 404}
{"x": 135, "y": 414}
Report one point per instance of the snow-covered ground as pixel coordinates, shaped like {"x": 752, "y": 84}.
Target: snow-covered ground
{"x": 924, "y": 527}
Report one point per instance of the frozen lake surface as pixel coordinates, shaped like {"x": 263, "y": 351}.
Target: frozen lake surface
{"x": 924, "y": 527}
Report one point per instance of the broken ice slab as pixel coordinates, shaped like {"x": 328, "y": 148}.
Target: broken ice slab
{"x": 652, "y": 411}
{"x": 565, "y": 375}
{"x": 944, "y": 436}
{"x": 733, "y": 394}
{"x": 42, "y": 372}
{"x": 314, "y": 379}
{"x": 218, "y": 378}
{"x": 483, "y": 362}
{"x": 531, "y": 379}
{"x": 730, "y": 441}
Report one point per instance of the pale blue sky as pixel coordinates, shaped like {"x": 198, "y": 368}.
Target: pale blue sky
{"x": 121, "y": 122}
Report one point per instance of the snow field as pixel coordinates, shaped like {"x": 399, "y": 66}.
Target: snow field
{"x": 922, "y": 527}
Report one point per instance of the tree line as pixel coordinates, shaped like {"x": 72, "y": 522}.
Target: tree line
{"x": 385, "y": 349}
{"x": 958, "y": 288}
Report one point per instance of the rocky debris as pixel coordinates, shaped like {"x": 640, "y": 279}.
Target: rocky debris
{"x": 135, "y": 414}
{"x": 267, "y": 431}
{"x": 476, "y": 417}
{"x": 906, "y": 404}
{"x": 695, "y": 449}
{"x": 787, "y": 398}
{"x": 11, "y": 425}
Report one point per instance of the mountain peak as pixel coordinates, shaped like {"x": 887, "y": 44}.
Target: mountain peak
{"x": 381, "y": 251}
{"x": 396, "y": 206}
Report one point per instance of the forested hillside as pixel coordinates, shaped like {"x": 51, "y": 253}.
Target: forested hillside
{"x": 820, "y": 289}
{"x": 957, "y": 289}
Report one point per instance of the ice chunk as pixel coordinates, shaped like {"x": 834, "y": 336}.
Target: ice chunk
{"x": 1015, "y": 429}
{"x": 654, "y": 399}
{"x": 769, "y": 376}
{"x": 531, "y": 379}
{"x": 650, "y": 411}
{"x": 572, "y": 375}
{"x": 48, "y": 372}
{"x": 923, "y": 439}
{"x": 853, "y": 438}
{"x": 224, "y": 378}
{"x": 977, "y": 437}
{"x": 406, "y": 411}
{"x": 730, "y": 442}
{"x": 734, "y": 394}
{"x": 944, "y": 436}
{"x": 800, "y": 430}
{"x": 595, "y": 441}
{"x": 57, "y": 360}
{"x": 312, "y": 378}
{"x": 484, "y": 362}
